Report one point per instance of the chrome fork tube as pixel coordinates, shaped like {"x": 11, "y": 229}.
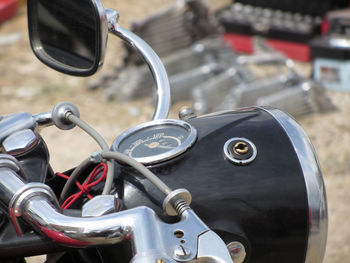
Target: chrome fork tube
{"x": 151, "y": 58}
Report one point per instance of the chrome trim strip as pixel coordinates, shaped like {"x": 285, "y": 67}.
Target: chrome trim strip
{"x": 189, "y": 141}
{"x": 318, "y": 221}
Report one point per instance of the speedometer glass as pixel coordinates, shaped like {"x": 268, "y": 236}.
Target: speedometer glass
{"x": 156, "y": 141}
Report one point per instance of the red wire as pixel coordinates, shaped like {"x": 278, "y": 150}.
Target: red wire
{"x": 85, "y": 188}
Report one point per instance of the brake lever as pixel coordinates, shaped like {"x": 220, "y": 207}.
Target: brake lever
{"x": 212, "y": 249}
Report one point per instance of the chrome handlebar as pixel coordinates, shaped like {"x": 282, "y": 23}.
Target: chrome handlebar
{"x": 13, "y": 123}
{"x": 153, "y": 240}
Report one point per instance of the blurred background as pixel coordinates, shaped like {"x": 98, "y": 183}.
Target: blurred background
{"x": 287, "y": 56}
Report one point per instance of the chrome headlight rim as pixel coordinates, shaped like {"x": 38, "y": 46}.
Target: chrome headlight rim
{"x": 316, "y": 194}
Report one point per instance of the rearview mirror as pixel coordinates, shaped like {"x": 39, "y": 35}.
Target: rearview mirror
{"x": 68, "y": 35}
{"x": 71, "y": 36}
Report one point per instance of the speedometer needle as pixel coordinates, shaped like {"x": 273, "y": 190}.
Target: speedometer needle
{"x": 157, "y": 145}
{"x": 165, "y": 147}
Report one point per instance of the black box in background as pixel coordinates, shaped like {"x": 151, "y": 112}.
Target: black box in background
{"x": 292, "y": 20}
{"x": 288, "y": 25}
{"x": 306, "y": 7}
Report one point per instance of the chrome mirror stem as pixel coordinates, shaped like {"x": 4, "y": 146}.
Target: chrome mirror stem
{"x": 151, "y": 58}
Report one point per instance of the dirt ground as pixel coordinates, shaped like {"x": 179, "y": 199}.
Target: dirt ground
{"x": 27, "y": 85}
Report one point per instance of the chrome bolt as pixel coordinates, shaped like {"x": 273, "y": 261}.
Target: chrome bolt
{"x": 237, "y": 251}
{"x": 182, "y": 252}
{"x": 186, "y": 113}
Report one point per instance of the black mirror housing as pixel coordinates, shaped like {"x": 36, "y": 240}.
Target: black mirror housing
{"x": 68, "y": 36}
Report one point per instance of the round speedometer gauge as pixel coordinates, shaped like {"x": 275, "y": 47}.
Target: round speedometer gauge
{"x": 156, "y": 141}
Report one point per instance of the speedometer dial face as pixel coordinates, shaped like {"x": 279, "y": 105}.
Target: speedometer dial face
{"x": 156, "y": 141}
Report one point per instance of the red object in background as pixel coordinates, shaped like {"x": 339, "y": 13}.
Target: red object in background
{"x": 241, "y": 43}
{"x": 7, "y": 9}
{"x": 292, "y": 50}
{"x": 244, "y": 43}
{"x": 325, "y": 25}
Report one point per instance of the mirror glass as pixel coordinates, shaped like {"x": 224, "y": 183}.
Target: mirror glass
{"x": 65, "y": 31}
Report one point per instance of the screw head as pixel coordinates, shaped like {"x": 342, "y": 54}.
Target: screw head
{"x": 182, "y": 252}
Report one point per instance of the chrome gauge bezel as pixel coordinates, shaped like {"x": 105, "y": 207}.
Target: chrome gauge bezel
{"x": 154, "y": 159}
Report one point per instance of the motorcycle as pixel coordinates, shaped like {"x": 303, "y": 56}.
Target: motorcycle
{"x": 233, "y": 186}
